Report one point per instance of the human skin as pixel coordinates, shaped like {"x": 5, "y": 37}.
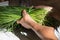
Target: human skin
{"x": 44, "y": 32}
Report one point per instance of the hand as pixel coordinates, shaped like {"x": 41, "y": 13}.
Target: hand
{"x": 25, "y": 20}
{"x": 26, "y": 17}
{"x": 47, "y": 8}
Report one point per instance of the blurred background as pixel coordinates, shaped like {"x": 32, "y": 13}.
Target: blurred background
{"x": 30, "y": 34}
{"x": 53, "y": 3}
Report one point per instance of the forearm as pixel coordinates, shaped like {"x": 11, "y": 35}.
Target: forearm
{"x": 36, "y": 28}
{"x": 35, "y": 25}
{"x": 43, "y": 31}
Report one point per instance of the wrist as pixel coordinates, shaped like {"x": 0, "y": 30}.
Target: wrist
{"x": 32, "y": 24}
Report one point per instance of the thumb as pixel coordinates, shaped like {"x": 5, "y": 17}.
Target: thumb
{"x": 24, "y": 13}
{"x": 19, "y": 21}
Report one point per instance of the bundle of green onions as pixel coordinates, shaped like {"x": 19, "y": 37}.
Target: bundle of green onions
{"x": 9, "y": 15}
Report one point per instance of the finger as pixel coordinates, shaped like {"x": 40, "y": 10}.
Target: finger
{"x": 47, "y": 8}
{"x": 19, "y": 21}
{"x": 42, "y": 6}
{"x": 37, "y": 6}
{"x": 25, "y": 25}
{"x": 24, "y": 12}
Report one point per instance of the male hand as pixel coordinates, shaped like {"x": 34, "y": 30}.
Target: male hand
{"x": 25, "y": 20}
